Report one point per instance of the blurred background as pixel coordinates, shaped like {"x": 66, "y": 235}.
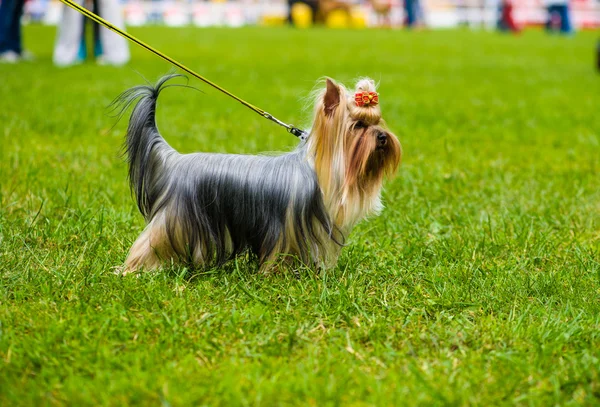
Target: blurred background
{"x": 482, "y": 268}
{"x": 487, "y": 14}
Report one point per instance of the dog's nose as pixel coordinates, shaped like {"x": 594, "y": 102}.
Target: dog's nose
{"x": 381, "y": 139}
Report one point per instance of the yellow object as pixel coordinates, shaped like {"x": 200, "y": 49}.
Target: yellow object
{"x": 272, "y": 20}
{"x": 358, "y": 19}
{"x": 337, "y": 19}
{"x": 302, "y": 15}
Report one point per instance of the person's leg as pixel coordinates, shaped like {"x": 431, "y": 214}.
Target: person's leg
{"x": 97, "y": 43}
{"x": 565, "y": 20}
{"x": 290, "y": 5}
{"x": 416, "y": 6}
{"x": 7, "y": 12}
{"x": 409, "y": 7}
{"x": 15, "y": 30}
{"x": 69, "y": 38}
{"x": 549, "y": 18}
{"x": 115, "y": 49}
{"x": 82, "y": 53}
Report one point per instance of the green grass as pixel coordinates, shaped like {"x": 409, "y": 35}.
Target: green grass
{"x": 478, "y": 285}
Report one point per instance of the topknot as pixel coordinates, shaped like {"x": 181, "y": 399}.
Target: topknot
{"x": 365, "y": 85}
{"x": 370, "y": 114}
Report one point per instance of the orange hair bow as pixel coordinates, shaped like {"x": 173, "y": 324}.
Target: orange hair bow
{"x": 366, "y": 98}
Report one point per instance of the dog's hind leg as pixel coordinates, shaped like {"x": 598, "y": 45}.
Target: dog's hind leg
{"x": 149, "y": 250}
{"x": 141, "y": 255}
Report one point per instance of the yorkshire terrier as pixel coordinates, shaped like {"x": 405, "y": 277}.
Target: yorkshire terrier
{"x": 203, "y": 209}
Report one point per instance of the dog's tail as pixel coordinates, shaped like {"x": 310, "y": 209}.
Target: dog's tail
{"x": 146, "y": 151}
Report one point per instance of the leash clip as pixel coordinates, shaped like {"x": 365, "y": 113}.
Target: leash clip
{"x": 301, "y": 134}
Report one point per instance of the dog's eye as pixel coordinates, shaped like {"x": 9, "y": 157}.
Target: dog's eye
{"x": 360, "y": 125}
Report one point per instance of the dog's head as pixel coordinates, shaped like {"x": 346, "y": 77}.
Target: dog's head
{"x": 352, "y": 148}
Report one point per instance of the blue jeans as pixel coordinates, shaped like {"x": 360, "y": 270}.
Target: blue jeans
{"x": 565, "y": 18}
{"x": 411, "y": 9}
{"x": 10, "y": 25}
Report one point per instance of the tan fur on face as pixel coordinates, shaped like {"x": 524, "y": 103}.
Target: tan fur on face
{"x": 349, "y": 166}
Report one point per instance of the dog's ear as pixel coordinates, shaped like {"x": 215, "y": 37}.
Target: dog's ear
{"x": 331, "y": 100}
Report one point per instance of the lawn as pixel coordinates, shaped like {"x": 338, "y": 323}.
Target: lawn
{"x": 479, "y": 284}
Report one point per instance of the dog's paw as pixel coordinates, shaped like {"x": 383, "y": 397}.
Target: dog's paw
{"x": 123, "y": 270}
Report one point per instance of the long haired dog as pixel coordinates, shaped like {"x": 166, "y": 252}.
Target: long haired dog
{"x": 204, "y": 209}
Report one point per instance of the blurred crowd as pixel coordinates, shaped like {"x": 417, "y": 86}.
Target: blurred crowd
{"x": 561, "y": 16}
{"x": 430, "y": 13}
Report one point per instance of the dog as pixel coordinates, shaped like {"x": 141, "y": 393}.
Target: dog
{"x": 204, "y": 209}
